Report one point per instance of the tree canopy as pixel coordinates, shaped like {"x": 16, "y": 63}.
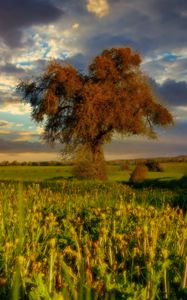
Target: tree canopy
{"x": 88, "y": 109}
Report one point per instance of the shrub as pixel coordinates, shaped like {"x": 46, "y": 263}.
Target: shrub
{"x": 139, "y": 173}
{"x": 154, "y": 166}
{"x": 85, "y": 168}
{"x": 125, "y": 166}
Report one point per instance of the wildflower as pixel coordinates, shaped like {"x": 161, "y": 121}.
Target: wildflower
{"x": 165, "y": 253}
{"x": 52, "y": 242}
{"x": 137, "y": 270}
{"x": 21, "y": 259}
{"x": 145, "y": 228}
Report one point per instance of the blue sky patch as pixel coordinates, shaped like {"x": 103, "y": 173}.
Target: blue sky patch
{"x": 170, "y": 57}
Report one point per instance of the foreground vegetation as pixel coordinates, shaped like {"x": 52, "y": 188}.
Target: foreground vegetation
{"x": 80, "y": 240}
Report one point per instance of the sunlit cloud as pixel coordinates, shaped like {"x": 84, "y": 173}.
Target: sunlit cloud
{"x": 4, "y": 132}
{"x": 7, "y": 83}
{"x": 166, "y": 65}
{"x": 75, "y": 26}
{"x": 19, "y": 125}
{"x": 99, "y": 7}
{"x": 181, "y": 112}
{"x": 24, "y": 136}
{"x": 29, "y": 156}
{"x": 16, "y": 108}
{"x": 5, "y": 123}
{"x": 39, "y": 130}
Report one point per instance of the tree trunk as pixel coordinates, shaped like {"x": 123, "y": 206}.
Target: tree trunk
{"x": 90, "y": 164}
{"x": 99, "y": 165}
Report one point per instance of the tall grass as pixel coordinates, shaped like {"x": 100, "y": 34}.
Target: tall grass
{"x": 90, "y": 241}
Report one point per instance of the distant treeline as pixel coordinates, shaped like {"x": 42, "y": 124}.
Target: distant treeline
{"x": 34, "y": 163}
{"x": 182, "y": 158}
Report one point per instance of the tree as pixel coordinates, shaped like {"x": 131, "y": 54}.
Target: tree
{"x": 154, "y": 166}
{"x": 85, "y": 111}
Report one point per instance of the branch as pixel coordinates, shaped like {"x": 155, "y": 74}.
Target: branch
{"x": 101, "y": 134}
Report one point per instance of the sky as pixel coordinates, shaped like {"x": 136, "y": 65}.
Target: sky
{"x": 34, "y": 32}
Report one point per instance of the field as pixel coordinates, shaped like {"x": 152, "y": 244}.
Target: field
{"x": 172, "y": 170}
{"x": 61, "y": 238}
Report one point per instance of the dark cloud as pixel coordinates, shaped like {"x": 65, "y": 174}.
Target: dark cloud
{"x": 73, "y": 7}
{"x": 169, "y": 143}
{"x": 95, "y": 44}
{"x": 146, "y": 25}
{"x": 11, "y": 69}
{"x": 172, "y": 12}
{"x": 79, "y": 61}
{"x": 16, "y": 15}
{"x": 172, "y": 92}
{"x": 127, "y": 150}
{"x": 179, "y": 130}
{"x": 9, "y": 146}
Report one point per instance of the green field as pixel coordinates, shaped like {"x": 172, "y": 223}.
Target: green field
{"x": 34, "y": 173}
{"x": 64, "y": 239}
{"x": 172, "y": 170}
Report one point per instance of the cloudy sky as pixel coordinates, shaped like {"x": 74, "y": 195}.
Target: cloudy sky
{"x": 32, "y": 32}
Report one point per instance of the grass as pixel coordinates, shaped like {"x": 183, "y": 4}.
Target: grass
{"x": 115, "y": 173}
{"x": 34, "y": 173}
{"x": 63, "y": 239}
{"x": 173, "y": 171}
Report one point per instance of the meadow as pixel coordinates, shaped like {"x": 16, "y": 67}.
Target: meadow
{"x": 172, "y": 171}
{"x": 64, "y": 239}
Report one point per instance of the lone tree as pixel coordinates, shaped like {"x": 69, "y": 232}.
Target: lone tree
{"x": 85, "y": 111}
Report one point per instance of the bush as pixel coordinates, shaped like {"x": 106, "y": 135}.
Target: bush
{"x": 125, "y": 166}
{"x": 139, "y": 173}
{"x": 154, "y": 166}
{"x": 86, "y": 168}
